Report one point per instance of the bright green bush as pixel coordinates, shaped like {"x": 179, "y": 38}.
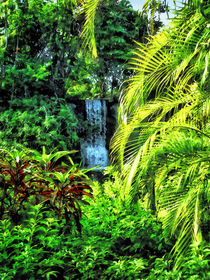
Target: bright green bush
{"x": 35, "y": 251}
{"x": 37, "y": 121}
{"x": 115, "y": 243}
{"x": 195, "y": 266}
{"x": 112, "y": 240}
{"x": 27, "y": 75}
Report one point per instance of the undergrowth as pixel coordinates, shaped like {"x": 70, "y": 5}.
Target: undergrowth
{"x": 115, "y": 243}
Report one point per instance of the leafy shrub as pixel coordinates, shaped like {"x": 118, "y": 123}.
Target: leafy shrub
{"x": 113, "y": 239}
{"x": 82, "y": 81}
{"x": 28, "y": 173}
{"x": 35, "y": 122}
{"x": 115, "y": 243}
{"x": 15, "y": 182}
{"x": 195, "y": 266}
{"x": 35, "y": 251}
{"x": 26, "y": 75}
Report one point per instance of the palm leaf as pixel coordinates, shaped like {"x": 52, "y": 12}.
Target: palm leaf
{"x": 88, "y": 9}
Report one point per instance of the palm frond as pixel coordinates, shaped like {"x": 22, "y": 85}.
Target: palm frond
{"x": 88, "y": 9}
{"x": 181, "y": 196}
{"x": 162, "y": 140}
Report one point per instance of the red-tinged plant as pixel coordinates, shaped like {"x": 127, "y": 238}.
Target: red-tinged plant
{"x": 44, "y": 165}
{"x": 42, "y": 176}
{"x": 15, "y": 172}
{"x": 44, "y": 162}
{"x": 64, "y": 191}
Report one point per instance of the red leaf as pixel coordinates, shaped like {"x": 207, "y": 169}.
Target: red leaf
{"x": 72, "y": 191}
{"x": 72, "y": 204}
{"x": 67, "y": 186}
{"x": 46, "y": 192}
{"x": 21, "y": 172}
{"x": 82, "y": 187}
{"x": 86, "y": 193}
{"x": 59, "y": 169}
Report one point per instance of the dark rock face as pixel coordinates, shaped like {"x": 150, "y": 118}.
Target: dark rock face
{"x": 111, "y": 121}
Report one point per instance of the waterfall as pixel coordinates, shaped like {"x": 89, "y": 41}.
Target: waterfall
{"x": 94, "y": 151}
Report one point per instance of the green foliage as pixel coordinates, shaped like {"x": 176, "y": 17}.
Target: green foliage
{"x": 35, "y": 122}
{"x": 40, "y": 48}
{"x": 27, "y": 175}
{"x": 194, "y": 266}
{"x": 161, "y": 144}
{"x": 44, "y": 162}
{"x": 83, "y": 81}
{"x": 35, "y": 37}
{"x": 182, "y": 187}
{"x": 110, "y": 29}
{"x": 115, "y": 243}
{"x": 152, "y": 9}
{"x": 117, "y": 27}
{"x": 178, "y": 169}
{"x": 26, "y": 252}
{"x": 114, "y": 238}
{"x": 25, "y": 76}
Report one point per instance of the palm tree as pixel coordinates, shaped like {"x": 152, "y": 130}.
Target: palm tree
{"x": 162, "y": 139}
{"x": 161, "y": 144}
{"x": 180, "y": 169}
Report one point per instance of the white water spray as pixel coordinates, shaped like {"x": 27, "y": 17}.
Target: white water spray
{"x": 94, "y": 151}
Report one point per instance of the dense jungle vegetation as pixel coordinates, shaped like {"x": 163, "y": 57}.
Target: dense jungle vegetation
{"x": 147, "y": 217}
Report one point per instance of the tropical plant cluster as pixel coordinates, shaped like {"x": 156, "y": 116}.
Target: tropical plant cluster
{"x": 41, "y": 52}
{"x": 161, "y": 145}
{"x": 38, "y": 121}
{"x": 148, "y": 216}
{"x": 115, "y": 243}
{"x": 162, "y": 142}
{"x": 41, "y": 178}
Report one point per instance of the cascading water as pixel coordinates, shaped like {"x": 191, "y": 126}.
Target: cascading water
{"x": 94, "y": 151}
